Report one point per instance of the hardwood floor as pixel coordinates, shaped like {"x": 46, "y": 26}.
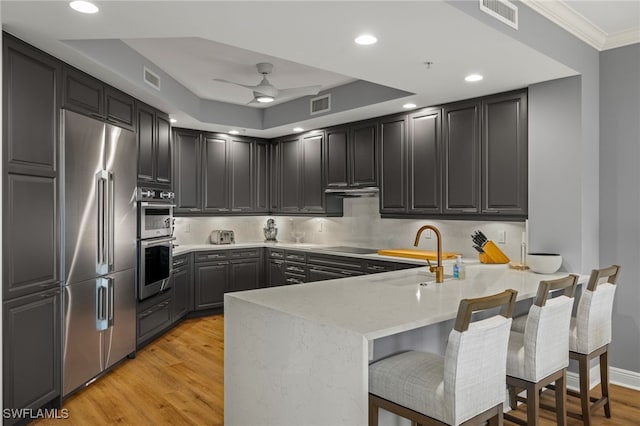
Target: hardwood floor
{"x": 178, "y": 380}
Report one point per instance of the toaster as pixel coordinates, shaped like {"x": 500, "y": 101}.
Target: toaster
{"x": 222, "y": 237}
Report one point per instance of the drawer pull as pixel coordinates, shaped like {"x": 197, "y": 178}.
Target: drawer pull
{"x": 376, "y": 268}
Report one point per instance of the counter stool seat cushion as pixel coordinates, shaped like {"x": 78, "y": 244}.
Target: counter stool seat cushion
{"x": 412, "y": 379}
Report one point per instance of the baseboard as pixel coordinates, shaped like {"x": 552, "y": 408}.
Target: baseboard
{"x": 617, "y": 376}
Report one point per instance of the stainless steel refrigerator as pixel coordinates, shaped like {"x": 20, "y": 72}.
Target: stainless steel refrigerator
{"x": 99, "y": 240}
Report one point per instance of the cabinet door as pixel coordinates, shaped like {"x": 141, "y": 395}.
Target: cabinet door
{"x": 424, "y": 162}
{"x": 31, "y": 243}
{"x": 153, "y": 320}
{"x": 182, "y": 292}
{"x": 276, "y": 273}
{"x": 120, "y": 108}
{"x": 215, "y": 177}
{"x": 241, "y": 175}
{"x": 163, "y": 149}
{"x": 82, "y": 93}
{"x": 31, "y": 350}
{"x": 289, "y": 175}
{"x": 275, "y": 180}
{"x": 31, "y": 107}
{"x": 336, "y": 160}
{"x": 245, "y": 274}
{"x": 312, "y": 194}
{"x": 261, "y": 179}
{"x": 211, "y": 280}
{"x": 363, "y": 155}
{"x": 504, "y": 154}
{"x": 461, "y": 142}
{"x": 186, "y": 174}
{"x": 393, "y": 145}
{"x": 146, "y": 145}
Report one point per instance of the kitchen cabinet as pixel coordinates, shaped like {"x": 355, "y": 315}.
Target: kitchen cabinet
{"x": 298, "y": 176}
{"x": 295, "y": 267}
{"x": 351, "y": 156}
{"x": 261, "y": 179}
{"x": 393, "y": 172}
{"x": 182, "y": 287}
{"x": 246, "y": 269}
{"x": 89, "y": 96}
{"x": 215, "y": 182}
{"x": 504, "y": 154}
{"x": 211, "y": 278}
{"x": 423, "y": 162}
{"x": 153, "y": 317}
{"x": 461, "y": 157}
{"x": 154, "y": 147}
{"x": 187, "y": 174}
{"x": 275, "y": 267}
{"x": 242, "y": 177}
{"x": 31, "y": 351}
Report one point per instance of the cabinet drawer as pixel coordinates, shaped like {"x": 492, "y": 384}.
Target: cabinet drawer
{"x": 320, "y": 273}
{"x": 208, "y": 256}
{"x": 276, "y": 254}
{"x": 154, "y": 319}
{"x": 296, "y": 268}
{"x": 295, "y": 256}
{"x": 294, "y": 279}
{"x": 180, "y": 261}
{"x": 341, "y": 262}
{"x": 373, "y": 267}
{"x": 243, "y": 254}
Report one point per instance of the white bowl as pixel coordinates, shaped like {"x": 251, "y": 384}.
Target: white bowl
{"x": 544, "y": 263}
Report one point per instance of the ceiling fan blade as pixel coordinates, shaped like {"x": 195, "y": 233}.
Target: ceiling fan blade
{"x": 237, "y": 84}
{"x": 299, "y": 91}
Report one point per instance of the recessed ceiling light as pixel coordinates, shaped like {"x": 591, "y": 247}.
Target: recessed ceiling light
{"x": 173, "y": 120}
{"x": 473, "y": 77}
{"x": 298, "y": 129}
{"x": 265, "y": 99}
{"x": 408, "y": 106}
{"x": 234, "y": 132}
{"x": 366, "y": 39}
{"x": 83, "y": 6}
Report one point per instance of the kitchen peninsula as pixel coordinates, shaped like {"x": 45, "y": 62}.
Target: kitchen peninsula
{"x": 300, "y": 354}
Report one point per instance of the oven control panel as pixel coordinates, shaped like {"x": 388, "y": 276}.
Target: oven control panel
{"x": 157, "y": 195}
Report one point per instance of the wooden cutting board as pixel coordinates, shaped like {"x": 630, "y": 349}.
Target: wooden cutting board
{"x": 417, "y": 254}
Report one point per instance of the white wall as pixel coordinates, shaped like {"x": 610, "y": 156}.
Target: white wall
{"x": 361, "y": 225}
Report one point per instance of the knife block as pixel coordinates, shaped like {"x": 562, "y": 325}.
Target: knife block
{"x": 492, "y": 254}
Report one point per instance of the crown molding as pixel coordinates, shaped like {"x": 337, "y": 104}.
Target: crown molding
{"x": 560, "y": 13}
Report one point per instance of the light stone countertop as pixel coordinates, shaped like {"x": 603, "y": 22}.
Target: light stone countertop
{"x": 383, "y": 304}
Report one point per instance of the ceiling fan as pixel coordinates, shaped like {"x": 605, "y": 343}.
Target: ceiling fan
{"x": 265, "y": 92}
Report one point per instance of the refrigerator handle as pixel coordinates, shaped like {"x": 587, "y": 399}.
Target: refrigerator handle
{"x": 111, "y": 301}
{"x": 110, "y": 219}
{"x": 101, "y": 304}
{"x": 101, "y": 201}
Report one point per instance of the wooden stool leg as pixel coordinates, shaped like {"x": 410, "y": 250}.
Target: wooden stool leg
{"x": 604, "y": 382}
{"x": 533, "y": 404}
{"x": 561, "y": 393}
{"x": 585, "y": 384}
{"x": 373, "y": 413}
{"x": 513, "y": 395}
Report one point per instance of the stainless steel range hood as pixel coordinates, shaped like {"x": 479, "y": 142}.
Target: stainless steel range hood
{"x": 369, "y": 191}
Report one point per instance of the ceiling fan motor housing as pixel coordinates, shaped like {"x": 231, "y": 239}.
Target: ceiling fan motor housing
{"x": 264, "y": 67}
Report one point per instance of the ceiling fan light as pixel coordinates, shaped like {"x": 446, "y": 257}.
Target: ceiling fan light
{"x": 265, "y": 99}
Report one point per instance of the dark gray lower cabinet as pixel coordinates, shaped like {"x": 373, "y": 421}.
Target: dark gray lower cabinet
{"x": 245, "y": 274}
{"x": 211, "y": 279}
{"x": 276, "y": 273}
{"x": 182, "y": 287}
{"x": 31, "y": 350}
{"x": 154, "y": 317}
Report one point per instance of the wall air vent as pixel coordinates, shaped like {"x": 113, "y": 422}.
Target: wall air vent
{"x": 320, "y": 104}
{"x": 151, "y": 78}
{"x": 502, "y": 10}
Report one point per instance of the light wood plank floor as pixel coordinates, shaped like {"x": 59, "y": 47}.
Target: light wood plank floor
{"x": 178, "y": 380}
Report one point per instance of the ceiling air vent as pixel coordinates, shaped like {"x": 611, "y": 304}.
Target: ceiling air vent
{"x": 151, "y": 78}
{"x": 502, "y": 10}
{"x": 321, "y": 104}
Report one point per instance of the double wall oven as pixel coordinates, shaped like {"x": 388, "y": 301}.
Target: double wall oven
{"x": 155, "y": 241}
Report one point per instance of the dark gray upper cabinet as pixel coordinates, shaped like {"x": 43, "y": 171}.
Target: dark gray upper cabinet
{"x": 275, "y": 172}
{"x": 120, "y": 108}
{"x": 312, "y": 194}
{"x": 186, "y": 173}
{"x": 351, "y": 156}
{"x": 83, "y": 93}
{"x": 242, "y": 175}
{"x": 31, "y": 104}
{"x": 288, "y": 169}
{"x": 154, "y": 147}
{"x": 424, "y": 162}
{"x": 461, "y": 141}
{"x": 393, "y": 172}
{"x": 31, "y": 350}
{"x": 261, "y": 177}
{"x": 504, "y": 154}
{"x": 215, "y": 174}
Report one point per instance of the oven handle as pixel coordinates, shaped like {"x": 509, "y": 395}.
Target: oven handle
{"x": 160, "y": 205}
{"x": 156, "y": 242}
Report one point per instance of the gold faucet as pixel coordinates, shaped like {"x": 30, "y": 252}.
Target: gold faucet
{"x": 439, "y": 269}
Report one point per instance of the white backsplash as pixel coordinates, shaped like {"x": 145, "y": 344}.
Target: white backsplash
{"x": 361, "y": 225}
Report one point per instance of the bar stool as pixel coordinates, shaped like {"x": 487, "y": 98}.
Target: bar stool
{"x": 590, "y": 337}
{"x": 466, "y": 386}
{"x": 539, "y": 356}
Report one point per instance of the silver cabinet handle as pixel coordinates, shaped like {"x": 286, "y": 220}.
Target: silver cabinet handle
{"x": 490, "y": 211}
{"x": 194, "y": 210}
{"x": 376, "y": 268}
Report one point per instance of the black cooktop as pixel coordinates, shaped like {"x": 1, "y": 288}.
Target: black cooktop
{"x": 355, "y": 250}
